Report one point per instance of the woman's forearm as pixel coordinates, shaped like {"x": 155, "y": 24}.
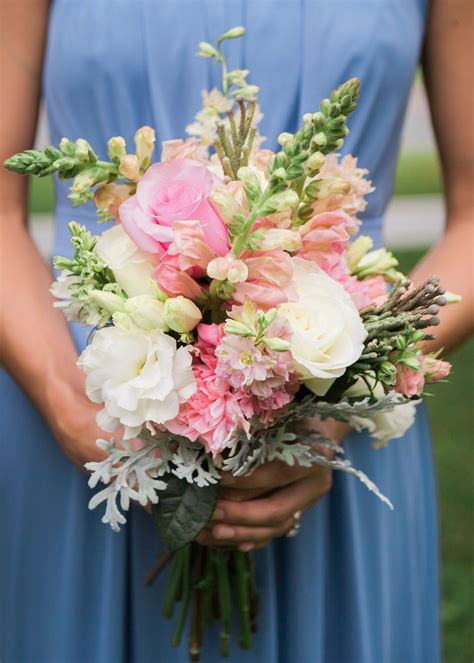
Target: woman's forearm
{"x": 452, "y": 260}
{"x": 36, "y": 348}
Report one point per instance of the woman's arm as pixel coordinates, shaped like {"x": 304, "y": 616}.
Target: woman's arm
{"x": 36, "y": 347}
{"x": 447, "y": 66}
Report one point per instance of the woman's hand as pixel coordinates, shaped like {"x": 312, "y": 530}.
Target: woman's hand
{"x": 254, "y": 510}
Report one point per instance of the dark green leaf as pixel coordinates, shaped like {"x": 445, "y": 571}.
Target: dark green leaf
{"x": 183, "y": 511}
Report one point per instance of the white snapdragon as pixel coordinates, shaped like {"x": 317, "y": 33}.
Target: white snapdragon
{"x": 139, "y": 377}
{"x": 327, "y": 331}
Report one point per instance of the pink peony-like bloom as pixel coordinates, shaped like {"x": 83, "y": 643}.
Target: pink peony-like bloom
{"x": 189, "y": 245}
{"x": 173, "y": 191}
{"x": 409, "y": 383}
{"x": 325, "y": 237}
{"x": 435, "y": 369}
{"x": 213, "y": 412}
{"x": 269, "y": 280}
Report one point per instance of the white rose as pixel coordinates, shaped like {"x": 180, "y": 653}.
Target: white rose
{"x": 328, "y": 334}
{"x": 130, "y": 266}
{"x": 140, "y": 377}
{"x": 382, "y": 426}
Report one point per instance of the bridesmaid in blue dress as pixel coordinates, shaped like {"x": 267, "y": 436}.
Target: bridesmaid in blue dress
{"x": 360, "y": 583}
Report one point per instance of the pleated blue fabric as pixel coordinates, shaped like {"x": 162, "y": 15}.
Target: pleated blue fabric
{"x": 360, "y": 583}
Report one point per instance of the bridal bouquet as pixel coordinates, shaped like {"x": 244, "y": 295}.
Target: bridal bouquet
{"x": 230, "y": 301}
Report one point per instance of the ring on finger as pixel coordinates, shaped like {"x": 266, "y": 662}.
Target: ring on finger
{"x": 296, "y": 525}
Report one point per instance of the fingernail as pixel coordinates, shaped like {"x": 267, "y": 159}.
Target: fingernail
{"x": 224, "y": 532}
{"x": 219, "y": 514}
{"x": 246, "y": 547}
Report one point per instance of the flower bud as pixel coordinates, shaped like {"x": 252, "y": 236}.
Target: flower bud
{"x": 109, "y": 301}
{"x": 83, "y": 181}
{"x": 284, "y": 137}
{"x": 228, "y": 267}
{"x": 129, "y": 167}
{"x": 314, "y": 163}
{"x": 375, "y": 262}
{"x": 109, "y": 197}
{"x": 320, "y": 139}
{"x": 280, "y": 238}
{"x": 357, "y": 250}
{"x": 227, "y": 205}
{"x": 206, "y": 50}
{"x": 116, "y": 148}
{"x": 452, "y": 297}
{"x": 145, "y": 144}
{"x": 280, "y": 202}
{"x": 142, "y": 311}
{"x": 233, "y": 33}
{"x": 181, "y": 314}
{"x": 84, "y": 151}
{"x": 277, "y": 344}
{"x": 250, "y": 181}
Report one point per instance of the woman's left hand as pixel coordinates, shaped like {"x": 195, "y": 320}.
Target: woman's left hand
{"x": 254, "y": 510}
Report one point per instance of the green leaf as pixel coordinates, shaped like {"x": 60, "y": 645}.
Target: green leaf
{"x": 183, "y": 511}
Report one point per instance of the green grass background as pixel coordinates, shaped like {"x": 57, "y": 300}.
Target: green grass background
{"x": 452, "y": 424}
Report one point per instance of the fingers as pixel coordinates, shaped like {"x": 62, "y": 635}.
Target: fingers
{"x": 266, "y": 477}
{"x": 225, "y": 535}
{"x": 277, "y": 507}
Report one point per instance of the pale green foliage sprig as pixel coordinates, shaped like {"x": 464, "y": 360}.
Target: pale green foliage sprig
{"x": 88, "y": 268}
{"x": 73, "y": 160}
{"x": 234, "y": 83}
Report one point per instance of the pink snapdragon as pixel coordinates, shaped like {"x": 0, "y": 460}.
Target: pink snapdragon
{"x": 269, "y": 280}
{"x": 435, "y": 369}
{"x": 325, "y": 237}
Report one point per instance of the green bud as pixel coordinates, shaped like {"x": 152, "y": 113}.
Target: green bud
{"x": 108, "y": 301}
{"x": 452, "y": 297}
{"x": 237, "y": 328}
{"x": 277, "y": 344}
{"x": 314, "y": 163}
{"x": 206, "y": 50}
{"x": 67, "y": 147}
{"x": 116, "y": 148}
{"x": 284, "y": 137}
{"x": 250, "y": 181}
{"x": 84, "y": 151}
{"x": 320, "y": 139}
{"x": 280, "y": 202}
{"x": 233, "y": 33}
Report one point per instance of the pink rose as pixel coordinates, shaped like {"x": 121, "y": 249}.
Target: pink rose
{"x": 173, "y": 191}
{"x": 435, "y": 369}
{"x": 409, "y": 383}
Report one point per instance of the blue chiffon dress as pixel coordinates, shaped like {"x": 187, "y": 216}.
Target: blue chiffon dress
{"x": 360, "y": 583}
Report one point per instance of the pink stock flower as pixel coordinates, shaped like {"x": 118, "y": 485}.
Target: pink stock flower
{"x": 409, "y": 382}
{"x": 269, "y": 280}
{"x": 168, "y": 192}
{"x": 435, "y": 369}
{"x": 325, "y": 236}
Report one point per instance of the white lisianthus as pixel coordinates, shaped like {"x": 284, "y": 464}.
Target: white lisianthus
{"x": 382, "y": 426}
{"x": 139, "y": 377}
{"x": 327, "y": 331}
{"x": 130, "y": 266}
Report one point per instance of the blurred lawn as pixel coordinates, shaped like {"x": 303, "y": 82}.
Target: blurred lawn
{"x": 451, "y": 421}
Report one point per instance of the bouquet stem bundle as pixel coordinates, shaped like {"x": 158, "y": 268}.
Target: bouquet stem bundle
{"x": 205, "y": 583}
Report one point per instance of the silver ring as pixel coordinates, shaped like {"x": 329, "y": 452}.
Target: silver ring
{"x": 296, "y": 526}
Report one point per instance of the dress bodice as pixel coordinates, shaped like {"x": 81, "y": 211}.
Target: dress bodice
{"x": 115, "y": 65}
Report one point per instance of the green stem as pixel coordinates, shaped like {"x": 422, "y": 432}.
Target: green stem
{"x": 172, "y": 588}
{"x": 183, "y": 611}
{"x": 241, "y": 567}
{"x": 241, "y": 240}
{"x": 222, "y": 560}
{"x": 195, "y": 636}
